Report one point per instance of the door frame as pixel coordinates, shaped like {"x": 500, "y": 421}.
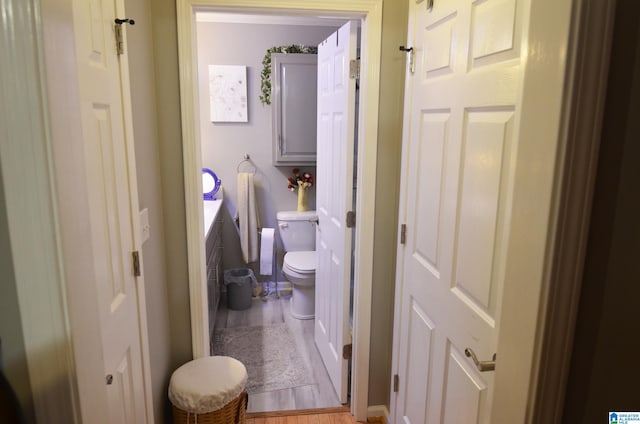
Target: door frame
{"x": 370, "y": 14}
{"x": 578, "y": 103}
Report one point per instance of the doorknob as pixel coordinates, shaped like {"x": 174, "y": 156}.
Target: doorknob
{"x": 481, "y": 365}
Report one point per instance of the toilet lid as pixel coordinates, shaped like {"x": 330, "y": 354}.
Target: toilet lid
{"x": 301, "y": 261}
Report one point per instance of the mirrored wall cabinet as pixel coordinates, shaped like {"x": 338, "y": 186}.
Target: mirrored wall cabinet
{"x": 293, "y": 97}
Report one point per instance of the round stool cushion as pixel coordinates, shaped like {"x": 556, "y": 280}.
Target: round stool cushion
{"x": 207, "y": 384}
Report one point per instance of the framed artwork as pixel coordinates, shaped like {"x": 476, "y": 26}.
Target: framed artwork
{"x": 228, "y": 93}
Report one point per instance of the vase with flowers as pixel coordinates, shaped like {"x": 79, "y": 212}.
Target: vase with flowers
{"x": 300, "y": 182}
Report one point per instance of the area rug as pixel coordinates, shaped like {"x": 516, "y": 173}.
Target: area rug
{"x": 268, "y": 352}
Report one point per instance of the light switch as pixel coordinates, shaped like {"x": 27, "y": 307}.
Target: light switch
{"x": 144, "y": 224}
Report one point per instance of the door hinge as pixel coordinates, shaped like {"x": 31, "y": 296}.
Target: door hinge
{"x": 119, "y": 41}
{"x": 136, "y": 263}
{"x": 354, "y": 69}
{"x": 396, "y": 383}
{"x": 118, "y": 33}
{"x": 351, "y": 219}
{"x": 403, "y": 233}
{"x": 347, "y": 351}
{"x": 411, "y": 52}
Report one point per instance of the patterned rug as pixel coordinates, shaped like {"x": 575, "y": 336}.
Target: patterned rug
{"x": 269, "y": 353}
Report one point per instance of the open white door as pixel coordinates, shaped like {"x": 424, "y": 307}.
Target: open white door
{"x": 462, "y": 154}
{"x": 336, "y": 132}
{"x": 113, "y": 204}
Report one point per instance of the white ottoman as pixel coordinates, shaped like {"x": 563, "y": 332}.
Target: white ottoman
{"x": 209, "y": 390}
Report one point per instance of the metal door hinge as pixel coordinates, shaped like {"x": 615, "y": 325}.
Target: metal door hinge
{"x": 396, "y": 383}
{"x": 347, "y": 351}
{"x": 403, "y": 233}
{"x": 411, "y": 51}
{"x": 119, "y": 41}
{"x": 354, "y": 69}
{"x": 136, "y": 263}
{"x": 351, "y": 219}
{"x": 118, "y": 33}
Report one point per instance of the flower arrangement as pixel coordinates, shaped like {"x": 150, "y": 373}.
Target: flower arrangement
{"x": 265, "y": 75}
{"x": 299, "y": 180}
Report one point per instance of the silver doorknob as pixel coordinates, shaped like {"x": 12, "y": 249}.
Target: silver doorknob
{"x": 481, "y": 365}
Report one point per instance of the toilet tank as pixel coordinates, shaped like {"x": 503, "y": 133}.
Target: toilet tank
{"x": 297, "y": 230}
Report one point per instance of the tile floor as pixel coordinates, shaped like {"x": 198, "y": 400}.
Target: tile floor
{"x": 273, "y": 311}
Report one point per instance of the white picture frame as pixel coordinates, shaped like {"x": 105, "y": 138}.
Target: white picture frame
{"x": 228, "y": 93}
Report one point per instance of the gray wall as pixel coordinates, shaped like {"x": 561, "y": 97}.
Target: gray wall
{"x": 145, "y": 127}
{"x": 224, "y": 144}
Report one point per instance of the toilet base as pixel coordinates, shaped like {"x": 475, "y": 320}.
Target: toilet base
{"x": 303, "y": 302}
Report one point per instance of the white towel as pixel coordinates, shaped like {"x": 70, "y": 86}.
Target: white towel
{"x": 247, "y": 217}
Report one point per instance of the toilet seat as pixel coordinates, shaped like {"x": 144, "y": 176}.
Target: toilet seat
{"x": 301, "y": 262}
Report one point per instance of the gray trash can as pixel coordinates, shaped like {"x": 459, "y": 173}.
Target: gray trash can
{"x": 239, "y": 283}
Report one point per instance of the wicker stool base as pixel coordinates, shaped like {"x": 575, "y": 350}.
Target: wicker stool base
{"x": 234, "y": 412}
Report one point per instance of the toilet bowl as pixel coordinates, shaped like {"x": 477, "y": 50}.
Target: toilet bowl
{"x": 298, "y": 233}
{"x": 300, "y": 269}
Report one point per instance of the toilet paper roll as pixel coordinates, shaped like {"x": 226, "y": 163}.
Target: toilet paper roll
{"x": 266, "y": 251}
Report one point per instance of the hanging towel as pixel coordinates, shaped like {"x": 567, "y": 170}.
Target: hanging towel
{"x": 247, "y": 216}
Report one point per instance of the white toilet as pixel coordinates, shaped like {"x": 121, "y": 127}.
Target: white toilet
{"x": 298, "y": 234}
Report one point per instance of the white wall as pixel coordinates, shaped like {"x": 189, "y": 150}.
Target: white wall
{"x": 224, "y": 144}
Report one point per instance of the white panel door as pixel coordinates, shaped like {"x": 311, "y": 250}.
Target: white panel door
{"x": 336, "y": 125}
{"x": 463, "y": 101}
{"x": 109, "y": 158}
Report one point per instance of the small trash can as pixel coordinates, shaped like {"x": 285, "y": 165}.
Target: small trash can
{"x": 239, "y": 283}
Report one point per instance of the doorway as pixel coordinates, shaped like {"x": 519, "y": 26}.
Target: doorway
{"x": 285, "y": 368}
{"x": 370, "y": 14}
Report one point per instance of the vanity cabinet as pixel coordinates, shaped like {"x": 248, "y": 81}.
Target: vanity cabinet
{"x": 213, "y": 242}
{"x": 294, "y": 104}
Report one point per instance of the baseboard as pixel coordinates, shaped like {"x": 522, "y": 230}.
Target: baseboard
{"x": 378, "y": 414}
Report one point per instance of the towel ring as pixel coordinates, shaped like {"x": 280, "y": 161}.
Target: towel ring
{"x": 248, "y": 160}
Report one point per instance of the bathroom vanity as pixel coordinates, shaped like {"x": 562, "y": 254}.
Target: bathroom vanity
{"x": 213, "y": 243}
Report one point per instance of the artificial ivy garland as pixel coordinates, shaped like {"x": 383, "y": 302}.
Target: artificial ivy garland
{"x": 265, "y": 96}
